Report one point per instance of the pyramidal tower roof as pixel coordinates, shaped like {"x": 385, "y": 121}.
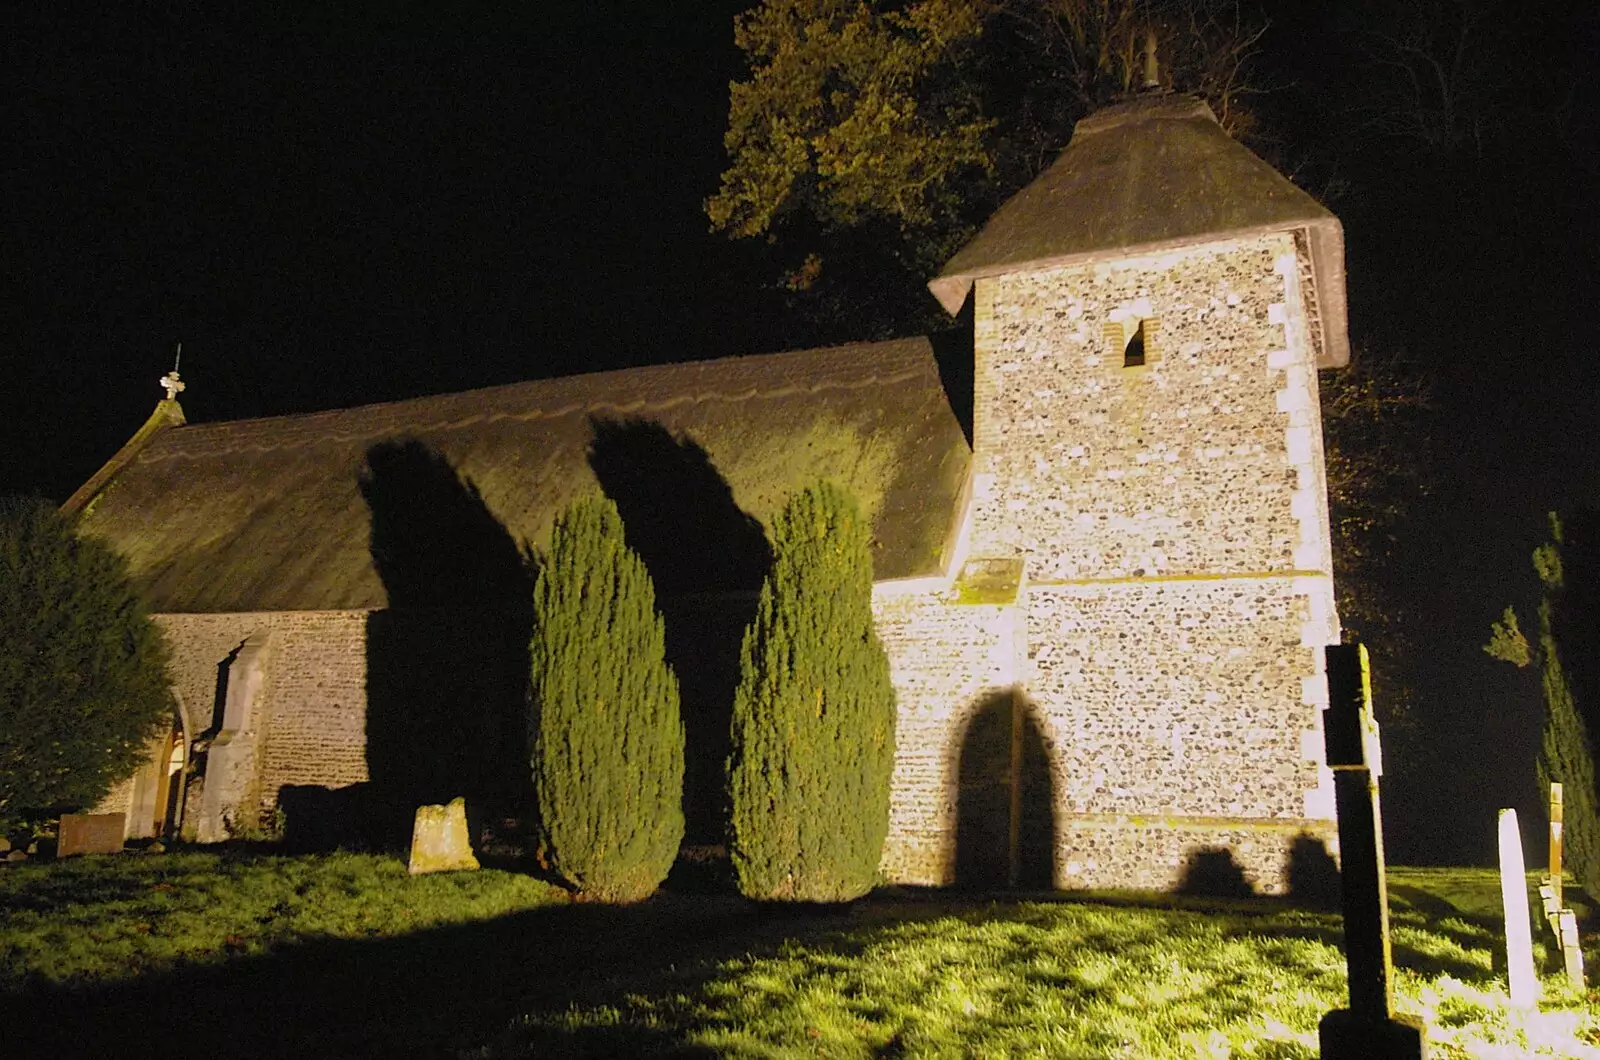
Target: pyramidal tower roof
{"x": 1155, "y": 174}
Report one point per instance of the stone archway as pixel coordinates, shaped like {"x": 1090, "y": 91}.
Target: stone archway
{"x": 155, "y": 810}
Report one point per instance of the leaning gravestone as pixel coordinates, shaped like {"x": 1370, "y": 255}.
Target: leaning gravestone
{"x": 90, "y": 833}
{"x": 439, "y": 840}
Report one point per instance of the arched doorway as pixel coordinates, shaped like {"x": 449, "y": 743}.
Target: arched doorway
{"x": 156, "y": 810}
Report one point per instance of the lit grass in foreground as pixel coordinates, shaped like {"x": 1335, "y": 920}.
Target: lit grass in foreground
{"x": 1082, "y": 979}
{"x": 88, "y": 920}
{"x": 345, "y": 955}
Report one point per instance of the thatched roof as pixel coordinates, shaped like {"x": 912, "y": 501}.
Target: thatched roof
{"x": 285, "y": 513}
{"x": 1155, "y": 174}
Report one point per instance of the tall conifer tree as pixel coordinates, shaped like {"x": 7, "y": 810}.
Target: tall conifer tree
{"x": 83, "y": 668}
{"x": 1568, "y": 654}
{"x": 814, "y": 714}
{"x": 607, "y": 755}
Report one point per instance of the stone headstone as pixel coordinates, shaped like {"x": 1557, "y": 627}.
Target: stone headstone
{"x": 1514, "y": 901}
{"x": 439, "y": 840}
{"x": 90, "y": 833}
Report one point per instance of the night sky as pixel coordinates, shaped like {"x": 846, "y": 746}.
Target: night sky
{"x": 330, "y": 210}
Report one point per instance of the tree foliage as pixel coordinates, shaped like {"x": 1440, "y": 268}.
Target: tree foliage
{"x": 1568, "y": 654}
{"x": 83, "y": 669}
{"x": 1375, "y": 415}
{"x": 814, "y": 714}
{"x": 607, "y": 755}
{"x": 921, "y": 117}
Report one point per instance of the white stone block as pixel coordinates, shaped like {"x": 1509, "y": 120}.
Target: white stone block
{"x": 1320, "y": 804}
{"x": 1312, "y": 745}
{"x": 1303, "y": 504}
{"x": 1277, "y": 314}
{"x": 1298, "y": 442}
{"x": 1315, "y": 633}
{"x": 1309, "y": 556}
{"x": 1290, "y": 400}
{"x": 1280, "y": 358}
{"x": 1314, "y": 690}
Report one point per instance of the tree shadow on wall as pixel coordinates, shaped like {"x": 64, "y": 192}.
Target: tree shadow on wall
{"x": 707, "y": 558}
{"x": 447, "y": 661}
{"x": 983, "y": 798}
{"x": 1212, "y": 872}
{"x": 1313, "y": 875}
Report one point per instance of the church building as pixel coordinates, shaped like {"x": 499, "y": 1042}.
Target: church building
{"x": 1105, "y": 608}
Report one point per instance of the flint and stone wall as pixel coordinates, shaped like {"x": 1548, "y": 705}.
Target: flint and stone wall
{"x": 1172, "y": 522}
{"x": 276, "y": 699}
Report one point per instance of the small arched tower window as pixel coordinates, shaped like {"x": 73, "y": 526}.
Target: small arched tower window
{"x": 1133, "y": 354}
{"x": 1133, "y": 341}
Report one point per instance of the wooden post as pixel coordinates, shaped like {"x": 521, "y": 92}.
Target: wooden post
{"x": 1557, "y": 817}
{"x": 1563, "y": 922}
{"x": 1514, "y": 901}
{"x": 1368, "y": 1029}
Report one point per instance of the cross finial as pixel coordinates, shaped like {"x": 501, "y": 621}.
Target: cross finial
{"x": 171, "y": 380}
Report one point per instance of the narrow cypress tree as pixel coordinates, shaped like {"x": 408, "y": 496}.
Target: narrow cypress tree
{"x": 1570, "y": 649}
{"x": 607, "y": 755}
{"x": 814, "y": 714}
{"x": 1568, "y": 655}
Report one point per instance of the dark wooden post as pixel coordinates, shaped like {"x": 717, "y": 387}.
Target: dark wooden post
{"x": 1557, "y": 821}
{"x": 1368, "y": 1029}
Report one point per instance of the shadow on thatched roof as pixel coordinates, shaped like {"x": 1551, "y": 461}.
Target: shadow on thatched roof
{"x": 269, "y": 514}
{"x": 1155, "y": 174}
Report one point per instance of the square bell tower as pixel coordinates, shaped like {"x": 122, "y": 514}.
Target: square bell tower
{"x": 1150, "y": 316}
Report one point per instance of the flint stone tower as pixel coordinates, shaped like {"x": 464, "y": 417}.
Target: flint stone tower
{"x": 1147, "y": 541}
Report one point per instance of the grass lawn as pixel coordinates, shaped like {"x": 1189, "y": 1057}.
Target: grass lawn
{"x": 240, "y": 954}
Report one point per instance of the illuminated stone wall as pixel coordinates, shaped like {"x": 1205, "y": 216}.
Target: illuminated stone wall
{"x": 304, "y": 722}
{"x": 948, "y": 662}
{"x": 1173, "y": 523}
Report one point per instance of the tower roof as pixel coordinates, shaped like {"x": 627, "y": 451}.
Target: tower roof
{"x": 1155, "y": 174}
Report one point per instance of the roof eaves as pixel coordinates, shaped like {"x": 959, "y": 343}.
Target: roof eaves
{"x": 168, "y": 413}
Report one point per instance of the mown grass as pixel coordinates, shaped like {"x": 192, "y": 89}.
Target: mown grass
{"x": 97, "y": 920}
{"x": 344, "y": 955}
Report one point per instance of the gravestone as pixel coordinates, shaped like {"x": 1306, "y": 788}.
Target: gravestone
{"x": 1514, "y": 903}
{"x": 90, "y": 833}
{"x": 439, "y": 839}
{"x": 1368, "y": 1029}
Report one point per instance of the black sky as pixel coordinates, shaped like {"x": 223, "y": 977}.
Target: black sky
{"x": 336, "y": 208}
{"x": 329, "y": 210}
